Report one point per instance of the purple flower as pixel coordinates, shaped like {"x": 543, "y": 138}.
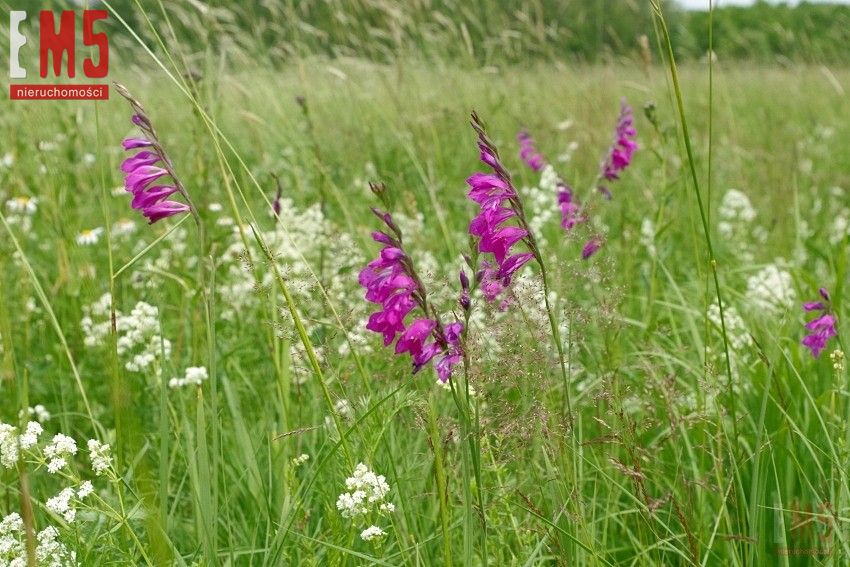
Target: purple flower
{"x": 591, "y": 247}
{"x": 494, "y": 224}
{"x": 140, "y": 174}
{"x": 464, "y": 300}
{"x": 528, "y": 152}
{"x": 822, "y": 328}
{"x": 276, "y": 204}
{"x": 571, "y": 213}
{"x": 620, "y": 154}
{"x": 392, "y": 283}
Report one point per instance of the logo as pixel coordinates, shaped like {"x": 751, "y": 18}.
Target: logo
{"x": 57, "y": 44}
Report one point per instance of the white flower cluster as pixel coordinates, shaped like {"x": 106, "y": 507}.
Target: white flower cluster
{"x": 735, "y": 211}
{"x": 771, "y": 289}
{"x": 59, "y": 450}
{"x": 65, "y": 503}
{"x": 344, "y": 410}
{"x": 193, "y": 376}
{"x": 837, "y": 358}
{"x": 39, "y": 412}
{"x": 9, "y": 445}
{"x": 332, "y": 257}
{"x": 123, "y": 227}
{"x": 736, "y": 330}
{"x": 49, "y": 551}
{"x": 647, "y": 236}
{"x": 840, "y": 227}
{"x": 366, "y": 494}
{"x": 20, "y": 211}
{"x": 30, "y": 436}
{"x": 300, "y": 460}
{"x": 61, "y": 505}
{"x": 736, "y": 215}
{"x": 100, "y": 456}
{"x": 139, "y": 336}
{"x": 372, "y": 533}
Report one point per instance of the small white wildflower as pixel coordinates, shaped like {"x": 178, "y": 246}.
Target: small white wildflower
{"x": 387, "y": 507}
{"x": 40, "y": 413}
{"x": 8, "y": 445}
{"x": 61, "y": 505}
{"x": 23, "y": 205}
{"x": 372, "y": 533}
{"x": 736, "y": 207}
{"x": 343, "y": 409}
{"x": 56, "y": 464}
{"x": 840, "y": 227}
{"x": 99, "y": 455}
{"x": 837, "y": 358}
{"x": 366, "y": 492}
{"x": 58, "y": 450}
{"x": 736, "y": 329}
{"x": 300, "y": 459}
{"x": 123, "y": 227}
{"x": 86, "y": 488}
{"x": 90, "y": 236}
{"x": 31, "y": 434}
{"x": 193, "y": 376}
{"x": 50, "y": 551}
{"x": 771, "y": 289}
{"x": 215, "y": 207}
{"x": 647, "y": 235}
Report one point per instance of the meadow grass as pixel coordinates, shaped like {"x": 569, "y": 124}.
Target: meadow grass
{"x": 649, "y": 469}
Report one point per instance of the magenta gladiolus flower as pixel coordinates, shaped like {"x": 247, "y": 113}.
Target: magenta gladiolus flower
{"x": 141, "y": 172}
{"x": 528, "y": 152}
{"x": 591, "y": 247}
{"x": 822, "y": 328}
{"x": 622, "y": 150}
{"x": 571, "y": 213}
{"x": 145, "y": 171}
{"x": 391, "y": 282}
{"x": 499, "y": 208}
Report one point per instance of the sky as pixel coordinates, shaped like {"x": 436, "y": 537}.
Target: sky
{"x": 704, "y": 3}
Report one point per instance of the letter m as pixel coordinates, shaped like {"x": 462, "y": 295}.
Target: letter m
{"x": 57, "y": 43}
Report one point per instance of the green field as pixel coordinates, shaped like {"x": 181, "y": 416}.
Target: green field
{"x": 644, "y": 450}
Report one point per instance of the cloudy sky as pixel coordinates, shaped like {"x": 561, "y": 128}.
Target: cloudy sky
{"x": 704, "y": 3}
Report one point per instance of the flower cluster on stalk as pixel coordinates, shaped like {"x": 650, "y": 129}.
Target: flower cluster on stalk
{"x": 822, "y": 328}
{"x": 618, "y": 158}
{"x": 391, "y": 281}
{"x": 500, "y": 223}
{"x": 144, "y": 171}
{"x": 622, "y": 150}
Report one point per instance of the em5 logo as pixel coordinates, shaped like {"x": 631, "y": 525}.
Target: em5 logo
{"x": 57, "y": 44}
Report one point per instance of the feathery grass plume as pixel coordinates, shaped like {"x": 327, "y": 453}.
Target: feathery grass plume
{"x": 822, "y": 328}
{"x": 150, "y": 165}
{"x": 391, "y": 281}
{"x": 622, "y": 150}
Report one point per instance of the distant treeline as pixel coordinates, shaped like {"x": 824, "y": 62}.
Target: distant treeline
{"x": 484, "y": 32}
